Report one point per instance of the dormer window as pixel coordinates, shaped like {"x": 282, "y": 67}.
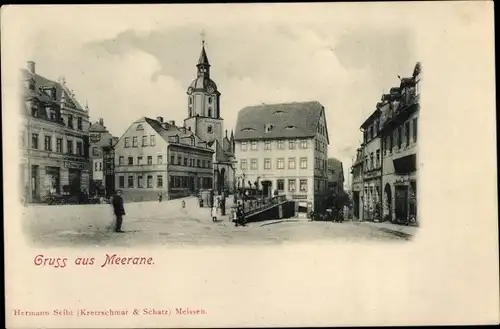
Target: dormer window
{"x": 290, "y": 127}
{"x": 268, "y": 127}
{"x": 279, "y": 112}
{"x": 247, "y": 129}
{"x": 209, "y": 129}
{"x": 140, "y": 127}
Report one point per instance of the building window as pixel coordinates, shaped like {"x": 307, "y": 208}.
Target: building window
{"x": 127, "y": 142}
{"x": 48, "y": 143}
{"x": 150, "y": 181}
{"x": 152, "y": 141}
{"x": 130, "y": 181}
{"x": 280, "y": 144}
{"x": 59, "y": 145}
{"x": 198, "y": 163}
{"x": 95, "y": 151}
{"x": 280, "y": 163}
{"x": 376, "y": 128}
{"x": 159, "y": 159}
{"x": 150, "y": 160}
{"x": 139, "y": 182}
{"x": 303, "y": 143}
{"x": 130, "y": 161}
{"x": 291, "y": 145}
{"x": 210, "y": 112}
{"x": 121, "y": 181}
{"x": 120, "y": 160}
{"x": 407, "y": 133}
{"x": 415, "y": 126}
{"x": 253, "y": 164}
{"x": 378, "y": 158}
{"x": 179, "y": 161}
{"x": 186, "y": 161}
{"x": 172, "y": 159}
{"x": 291, "y": 163}
{"x": 303, "y": 185}
{"x": 243, "y": 146}
{"x": 209, "y": 129}
{"x": 96, "y": 166}
{"x": 243, "y": 164}
{"x": 267, "y": 163}
{"x": 267, "y": 145}
{"x": 79, "y": 148}
{"x": 134, "y": 141}
{"x": 203, "y": 163}
{"x": 70, "y": 121}
{"x": 34, "y": 141}
{"x": 139, "y": 160}
{"x": 159, "y": 181}
{"x": 254, "y": 145}
{"x": 144, "y": 140}
{"x": 79, "y": 124}
{"x": 281, "y": 184}
{"x": 69, "y": 145}
{"x": 291, "y": 185}
{"x": 371, "y": 160}
{"x": 303, "y": 163}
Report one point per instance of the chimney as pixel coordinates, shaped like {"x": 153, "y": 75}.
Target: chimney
{"x": 159, "y": 119}
{"x": 101, "y": 121}
{"x": 31, "y": 66}
{"x": 164, "y": 125}
{"x": 172, "y": 122}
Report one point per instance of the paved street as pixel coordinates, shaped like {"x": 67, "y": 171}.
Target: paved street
{"x": 167, "y": 223}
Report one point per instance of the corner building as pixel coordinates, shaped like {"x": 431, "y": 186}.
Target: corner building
{"x": 54, "y": 138}
{"x": 284, "y": 147}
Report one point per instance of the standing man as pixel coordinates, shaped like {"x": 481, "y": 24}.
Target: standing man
{"x": 119, "y": 210}
{"x": 160, "y": 197}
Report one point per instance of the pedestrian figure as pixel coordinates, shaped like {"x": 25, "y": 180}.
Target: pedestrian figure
{"x": 160, "y": 197}
{"x": 119, "y": 210}
{"x": 183, "y": 204}
{"x": 214, "y": 214}
{"x": 240, "y": 216}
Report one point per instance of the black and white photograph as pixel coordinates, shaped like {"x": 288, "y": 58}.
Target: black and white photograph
{"x": 194, "y": 135}
{"x": 249, "y": 165}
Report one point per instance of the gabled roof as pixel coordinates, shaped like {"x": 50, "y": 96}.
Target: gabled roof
{"x": 97, "y": 127}
{"x": 167, "y": 130}
{"x": 336, "y": 166}
{"x": 44, "y": 83}
{"x": 286, "y": 120}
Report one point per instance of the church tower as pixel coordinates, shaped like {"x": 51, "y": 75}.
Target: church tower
{"x": 204, "y": 103}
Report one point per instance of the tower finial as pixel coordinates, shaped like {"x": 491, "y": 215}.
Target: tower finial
{"x": 202, "y": 37}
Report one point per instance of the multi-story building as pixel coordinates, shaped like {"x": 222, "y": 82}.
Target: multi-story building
{"x": 335, "y": 176}
{"x": 399, "y": 132}
{"x": 372, "y": 168}
{"x": 54, "y": 137}
{"x": 99, "y": 138}
{"x": 357, "y": 184}
{"x": 154, "y": 157}
{"x": 204, "y": 119}
{"x": 284, "y": 147}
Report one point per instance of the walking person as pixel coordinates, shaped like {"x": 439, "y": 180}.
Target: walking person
{"x": 119, "y": 210}
{"x": 160, "y": 197}
{"x": 214, "y": 213}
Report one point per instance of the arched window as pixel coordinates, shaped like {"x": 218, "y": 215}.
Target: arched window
{"x": 140, "y": 127}
{"x": 190, "y": 100}
{"x": 210, "y": 100}
{"x": 209, "y": 112}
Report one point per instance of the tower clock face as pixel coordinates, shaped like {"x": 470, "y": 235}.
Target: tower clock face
{"x": 190, "y": 90}
{"x": 211, "y": 89}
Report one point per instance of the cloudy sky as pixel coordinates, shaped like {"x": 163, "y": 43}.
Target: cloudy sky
{"x": 134, "y": 61}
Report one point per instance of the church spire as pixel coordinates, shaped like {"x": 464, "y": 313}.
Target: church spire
{"x": 203, "y": 56}
{"x": 203, "y": 64}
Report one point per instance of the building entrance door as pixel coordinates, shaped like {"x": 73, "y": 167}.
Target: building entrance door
{"x": 75, "y": 180}
{"x": 401, "y": 204}
{"x": 34, "y": 182}
{"x": 267, "y": 188}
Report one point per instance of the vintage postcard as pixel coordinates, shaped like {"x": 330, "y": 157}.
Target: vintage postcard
{"x": 243, "y": 165}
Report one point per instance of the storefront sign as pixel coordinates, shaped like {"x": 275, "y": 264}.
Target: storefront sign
{"x": 74, "y": 165}
{"x": 299, "y": 197}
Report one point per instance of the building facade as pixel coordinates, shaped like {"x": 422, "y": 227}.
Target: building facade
{"x": 335, "y": 172}
{"x": 284, "y": 148}
{"x": 372, "y": 168}
{"x": 400, "y": 134}
{"x": 99, "y": 138}
{"x": 357, "y": 187}
{"x": 155, "y": 157}
{"x": 204, "y": 120}
{"x": 54, "y": 138}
